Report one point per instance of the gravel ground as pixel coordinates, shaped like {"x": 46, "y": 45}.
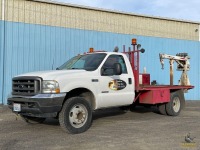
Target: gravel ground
{"x": 142, "y": 129}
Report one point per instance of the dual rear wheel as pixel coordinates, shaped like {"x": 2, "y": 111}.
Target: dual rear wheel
{"x": 174, "y": 107}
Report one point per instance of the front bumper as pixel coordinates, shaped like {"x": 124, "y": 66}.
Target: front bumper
{"x": 41, "y": 105}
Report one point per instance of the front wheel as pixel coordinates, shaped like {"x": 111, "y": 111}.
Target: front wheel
{"x": 76, "y": 115}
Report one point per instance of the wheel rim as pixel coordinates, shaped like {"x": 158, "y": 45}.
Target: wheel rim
{"x": 78, "y": 115}
{"x": 176, "y": 104}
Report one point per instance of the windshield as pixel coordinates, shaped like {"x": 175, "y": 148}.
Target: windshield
{"x": 89, "y": 62}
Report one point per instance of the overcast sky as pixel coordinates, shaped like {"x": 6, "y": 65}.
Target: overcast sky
{"x": 178, "y": 9}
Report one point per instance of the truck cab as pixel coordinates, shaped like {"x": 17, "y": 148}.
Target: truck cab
{"x": 102, "y": 78}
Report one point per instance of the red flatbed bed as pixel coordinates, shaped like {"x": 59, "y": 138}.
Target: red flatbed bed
{"x": 169, "y": 87}
{"x": 157, "y": 94}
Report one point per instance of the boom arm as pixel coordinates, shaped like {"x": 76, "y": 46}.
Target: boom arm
{"x": 182, "y": 60}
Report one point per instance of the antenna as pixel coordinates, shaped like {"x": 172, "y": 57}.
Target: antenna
{"x": 52, "y": 64}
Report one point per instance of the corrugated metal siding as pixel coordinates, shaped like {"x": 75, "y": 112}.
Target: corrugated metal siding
{"x": 32, "y": 47}
{"x": 80, "y": 18}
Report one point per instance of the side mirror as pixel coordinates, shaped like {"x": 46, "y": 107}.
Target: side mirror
{"x": 117, "y": 69}
{"x": 142, "y": 50}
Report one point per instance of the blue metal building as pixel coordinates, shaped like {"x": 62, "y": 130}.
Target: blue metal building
{"x": 41, "y": 35}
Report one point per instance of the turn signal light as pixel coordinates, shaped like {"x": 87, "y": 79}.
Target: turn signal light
{"x": 134, "y": 41}
{"x": 91, "y": 50}
{"x": 57, "y": 90}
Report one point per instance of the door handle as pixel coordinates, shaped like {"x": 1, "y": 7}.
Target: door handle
{"x": 129, "y": 81}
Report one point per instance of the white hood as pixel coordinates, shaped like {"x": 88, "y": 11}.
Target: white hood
{"x": 54, "y": 74}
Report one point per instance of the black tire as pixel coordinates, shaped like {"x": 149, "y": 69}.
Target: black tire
{"x": 76, "y": 115}
{"x": 176, "y": 103}
{"x": 32, "y": 120}
{"x": 162, "y": 109}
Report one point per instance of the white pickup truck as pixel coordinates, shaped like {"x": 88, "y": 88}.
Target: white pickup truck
{"x": 86, "y": 83}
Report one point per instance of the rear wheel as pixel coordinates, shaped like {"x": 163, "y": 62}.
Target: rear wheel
{"x": 176, "y": 103}
{"x": 32, "y": 120}
{"x": 76, "y": 115}
{"x": 162, "y": 109}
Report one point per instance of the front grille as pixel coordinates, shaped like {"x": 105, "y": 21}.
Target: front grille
{"x": 26, "y": 86}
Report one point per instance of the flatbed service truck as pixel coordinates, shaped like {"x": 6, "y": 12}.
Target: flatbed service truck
{"x": 96, "y": 80}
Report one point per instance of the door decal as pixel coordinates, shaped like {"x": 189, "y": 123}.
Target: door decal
{"x": 117, "y": 84}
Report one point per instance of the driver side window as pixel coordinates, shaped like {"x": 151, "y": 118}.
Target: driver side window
{"x": 109, "y": 64}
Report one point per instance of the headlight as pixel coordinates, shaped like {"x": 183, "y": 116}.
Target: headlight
{"x": 50, "y": 87}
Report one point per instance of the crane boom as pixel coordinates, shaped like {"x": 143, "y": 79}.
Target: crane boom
{"x": 182, "y": 60}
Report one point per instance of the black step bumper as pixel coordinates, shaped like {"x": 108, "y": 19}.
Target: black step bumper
{"x": 41, "y": 105}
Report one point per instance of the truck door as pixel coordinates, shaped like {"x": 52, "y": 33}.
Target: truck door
{"x": 115, "y": 90}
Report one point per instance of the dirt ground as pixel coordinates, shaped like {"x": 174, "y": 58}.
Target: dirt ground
{"x": 142, "y": 129}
